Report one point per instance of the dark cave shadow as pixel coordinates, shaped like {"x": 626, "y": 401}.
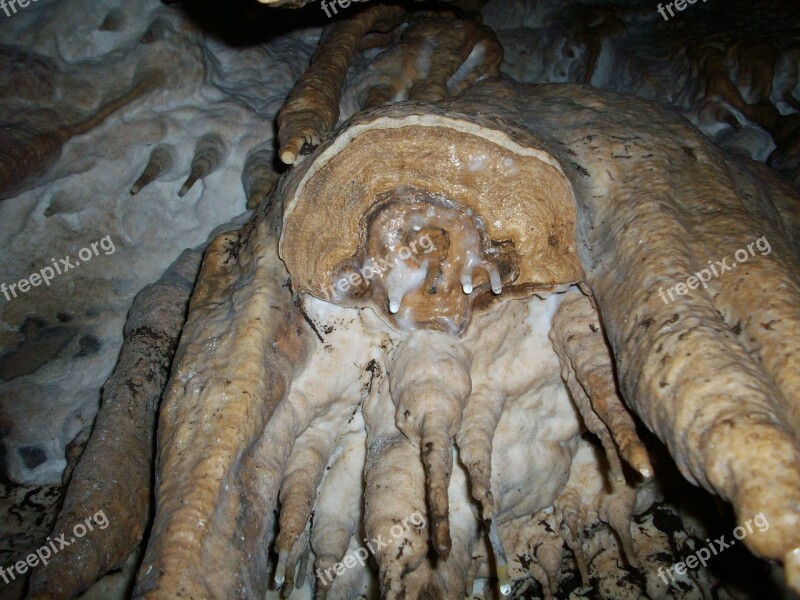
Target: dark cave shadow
{"x": 241, "y": 23}
{"x": 738, "y": 571}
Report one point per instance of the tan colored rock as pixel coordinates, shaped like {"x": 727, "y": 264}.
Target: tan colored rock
{"x": 588, "y": 370}
{"x": 518, "y": 194}
{"x": 545, "y": 182}
{"x": 120, "y": 490}
{"x": 236, "y": 377}
{"x": 455, "y": 53}
{"x": 312, "y": 108}
{"x": 643, "y": 222}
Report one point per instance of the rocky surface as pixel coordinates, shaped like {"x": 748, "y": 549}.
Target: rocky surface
{"x": 88, "y": 95}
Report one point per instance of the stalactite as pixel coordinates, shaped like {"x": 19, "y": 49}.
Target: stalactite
{"x": 209, "y": 154}
{"x": 160, "y": 162}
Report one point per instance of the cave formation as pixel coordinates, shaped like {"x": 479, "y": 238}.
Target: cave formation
{"x": 417, "y": 300}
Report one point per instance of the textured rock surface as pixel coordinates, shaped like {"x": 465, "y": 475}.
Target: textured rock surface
{"x": 61, "y": 341}
{"x": 125, "y": 427}
{"x": 733, "y": 72}
{"x": 312, "y": 108}
{"x": 578, "y": 127}
{"x": 203, "y": 437}
{"x": 731, "y": 69}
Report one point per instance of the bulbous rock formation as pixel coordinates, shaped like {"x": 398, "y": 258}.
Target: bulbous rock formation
{"x": 268, "y": 369}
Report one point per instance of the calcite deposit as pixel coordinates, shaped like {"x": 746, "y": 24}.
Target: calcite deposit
{"x": 476, "y": 335}
{"x": 125, "y": 426}
{"x": 722, "y": 404}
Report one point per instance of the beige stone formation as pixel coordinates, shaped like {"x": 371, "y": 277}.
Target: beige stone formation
{"x": 469, "y": 410}
{"x": 312, "y": 108}
{"x": 125, "y": 427}
{"x": 587, "y": 368}
{"x": 721, "y": 403}
{"x": 732, "y": 69}
{"x": 430, "y": 57}
{"x": 520, "y": 202}
{"x": 31, "y": 143}
{"x": 259, "y": 175}
{"x": 435, "y": 55}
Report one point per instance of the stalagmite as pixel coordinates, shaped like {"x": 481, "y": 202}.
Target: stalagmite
{"x": 337, "y": 515}
{"x": 594, "y": 424}
{"x": 266, "y": 464}
{"x": 394, "y": 494}
{"x": 578, "y": 339}
{"x": 261, "y": 379}
{"x": 481, "y": 414}
{"x": 568, "y": 507}
{"x": 282, "y": 464}
{"x": 303, "y": 475}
